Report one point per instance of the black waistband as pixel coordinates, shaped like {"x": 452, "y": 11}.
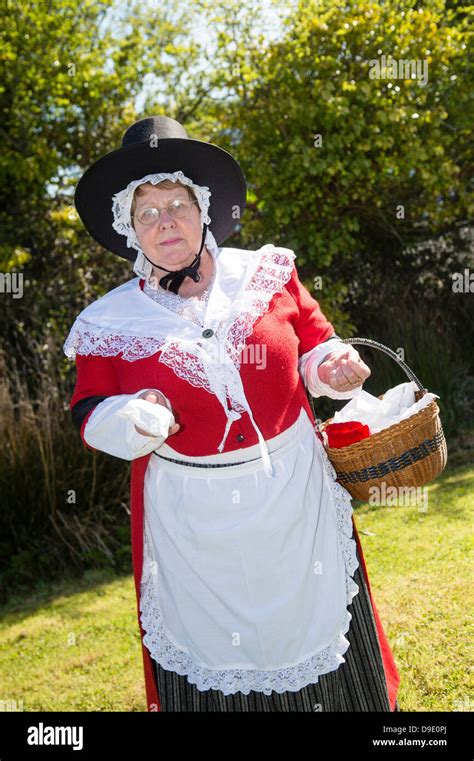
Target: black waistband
{"x": 205, "y": 465}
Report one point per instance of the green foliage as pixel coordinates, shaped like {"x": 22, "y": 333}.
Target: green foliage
{"x": 71, "y": 74}
{"x": 367, "y": 179}
{"x": 72, "y": 77}
{"x": 385, "y": 142}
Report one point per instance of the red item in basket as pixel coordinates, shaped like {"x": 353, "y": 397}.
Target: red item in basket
{"x": 343, "y": 434}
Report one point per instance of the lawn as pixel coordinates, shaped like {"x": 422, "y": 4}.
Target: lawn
{"x": 420, "y": 569}
{"x": 75, "y": 646}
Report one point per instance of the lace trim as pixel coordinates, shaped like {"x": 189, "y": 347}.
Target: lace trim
{"x": 273, "y": 272}
{"x": 173, "y": 300}
{"x": 269, "y": 279}
{"x": 185, "y": 306}
{"x": 89, "y": 338}
{"x": 230, "y": 681}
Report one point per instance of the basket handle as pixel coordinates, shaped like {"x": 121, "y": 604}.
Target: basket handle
{"x": 376, "y": 345}
{"x": 370, "y": 342}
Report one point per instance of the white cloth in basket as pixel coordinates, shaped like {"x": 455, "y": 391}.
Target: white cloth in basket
{"x": 398, "y": 403}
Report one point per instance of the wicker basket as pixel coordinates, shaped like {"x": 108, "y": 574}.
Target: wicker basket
{"x": 410, "y": 453}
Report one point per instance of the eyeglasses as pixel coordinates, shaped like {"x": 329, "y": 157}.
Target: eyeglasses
{"x": 151, "y": 214}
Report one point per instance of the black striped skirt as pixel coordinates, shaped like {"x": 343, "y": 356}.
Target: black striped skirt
{"x": 358, "y": 684}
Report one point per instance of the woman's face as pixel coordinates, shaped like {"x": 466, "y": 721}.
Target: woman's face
{"x": 176, "y": 255}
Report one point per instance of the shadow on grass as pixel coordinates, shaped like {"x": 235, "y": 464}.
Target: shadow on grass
{"x": 446, "y": 485}
{"x": 20, "y": 606}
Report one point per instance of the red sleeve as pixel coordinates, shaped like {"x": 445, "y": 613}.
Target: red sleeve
{"x": 96, "y": 380}
{"x": 311, "y": 326}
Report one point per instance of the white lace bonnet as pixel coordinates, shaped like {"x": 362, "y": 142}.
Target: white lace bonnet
{"x": 122, "y": 224}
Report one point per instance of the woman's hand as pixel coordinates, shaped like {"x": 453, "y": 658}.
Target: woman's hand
{"x": 343, "y": 372}
{"x": 156, "y": 398}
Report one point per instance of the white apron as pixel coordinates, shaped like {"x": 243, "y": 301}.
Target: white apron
{"x": 246, "y": 579}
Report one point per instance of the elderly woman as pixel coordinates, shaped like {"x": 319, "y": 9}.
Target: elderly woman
{"x": 245, "y": 555}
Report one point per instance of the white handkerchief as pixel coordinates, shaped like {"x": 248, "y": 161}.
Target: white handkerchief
{"x": 152, "y": 418}
{"x": 398, "y": 403}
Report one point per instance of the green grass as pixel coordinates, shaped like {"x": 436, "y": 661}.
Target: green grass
{"x": 420, "y": 569}
{"x": 75, "y": 646}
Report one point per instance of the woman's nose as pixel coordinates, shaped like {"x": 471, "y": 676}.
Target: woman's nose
{"x": 165, "y": 218}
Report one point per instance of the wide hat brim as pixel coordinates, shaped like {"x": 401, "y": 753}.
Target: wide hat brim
{"x": 204, "y": 164}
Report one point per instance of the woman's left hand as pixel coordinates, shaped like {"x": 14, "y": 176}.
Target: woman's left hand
{"x": 343, "y": 372}
{"x": 156, "y": 397}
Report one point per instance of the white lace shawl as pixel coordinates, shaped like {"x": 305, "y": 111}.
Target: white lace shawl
{"x": 127, "y": 321}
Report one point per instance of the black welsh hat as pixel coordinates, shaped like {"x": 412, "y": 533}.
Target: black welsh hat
{"x": 153, "y": 145}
